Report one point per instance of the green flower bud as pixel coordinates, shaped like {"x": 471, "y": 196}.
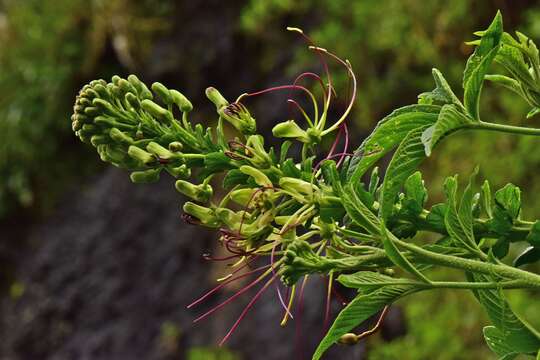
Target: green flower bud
{"x": 120, "y": 136}
{"x": 181, "y": 101}
{"x": 205, "y": 215}
{"x": 176, "y": 146}
{"x": 296, "y": 185}
{"x": 215, "y": 96}
{"x": 125, "y": 86}
{"x": 229, "y": 218}
{"x": 133, "y": 100}
{"x": 290, "y": 129}
{"x": 242, "y": 196}
{"x": 162, "y": 92}
{"x": 92, "y": 111}
{"x": 158, "y": 150}
{"x": 145, "y": 177}
{"x": 260, "y": 178}
{"x": 99, "y": 140}
{"x": 201, "y": 193}
{"x": 239, "y": 117}
{"x": 105, "y": 106}
{"x": 180, "y": 171}
{"x": 156, "y": 111}
{"x": 140, "y": 155}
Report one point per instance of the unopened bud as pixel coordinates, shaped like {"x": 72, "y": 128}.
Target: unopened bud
{"x": 239, "y": 117}
{"x": 162, "y": 92}
{"x": 205, "y": 215}
{"x": 243, "y": 196}
{"x": 158, "y": 150}
{"x": 260, "y": 178}
{"x": 181, "y": 171}
{"x": 290, "y": 129}
{"x": 133, "y": 100}
{"x": 181, "y": 101}
{"x": 215, "y": 96}
{"x": 120, "y": 136}
{"x": 99, "y": 140}
{"x": 156, "y": 111}
{"x": 296, "y": 185}
{"x": 145, "y": 177}
{"x": 201, "y": 193}
{"x": 176, "y": 146}
{"x": 140, "y": 155}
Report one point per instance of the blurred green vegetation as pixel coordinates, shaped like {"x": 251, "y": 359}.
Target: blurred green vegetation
{"x": 50, "y": 48}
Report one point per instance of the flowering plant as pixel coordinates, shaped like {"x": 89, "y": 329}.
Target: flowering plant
{"x": 309, "y": 214}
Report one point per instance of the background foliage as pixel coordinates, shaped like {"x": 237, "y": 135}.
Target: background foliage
{"x": 49, "y": 48}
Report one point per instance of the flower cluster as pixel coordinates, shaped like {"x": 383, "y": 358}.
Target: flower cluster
{"x": 307, "y": 214}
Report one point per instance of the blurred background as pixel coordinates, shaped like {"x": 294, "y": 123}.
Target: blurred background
{"x": 94, "y": 267}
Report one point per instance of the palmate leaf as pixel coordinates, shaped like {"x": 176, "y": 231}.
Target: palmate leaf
{"x": 478, "y": 64}
{"x": 404, "y": 163}
{"x": 360, "y": 309}
{"x": 450, "y": 119}
{"x": 516, "y": 335}
{"x": 388, "y": 133}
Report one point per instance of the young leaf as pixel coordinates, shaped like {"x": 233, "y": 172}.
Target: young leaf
{"x": 358, "y": 211}
{"x": 415, "y": 194}
{"x": 442, "y": 93}
{"x": 396, "y": 256}
{"x": 457, "y": 229}
{"x": 509, "y": 199}
{"x": 405, "y": 161}
{"x": 450, "y": 119}
{"x": 388, "y": 133}
{"x": 358, "y": 310}
{"x": 534, "y": 236}
{"x": 478, "y": 64}
{"x": 486, "y": 199}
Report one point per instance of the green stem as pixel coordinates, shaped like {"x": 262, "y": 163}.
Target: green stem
{"x": 473, "y": 265}
{"x": 504, "y": 128}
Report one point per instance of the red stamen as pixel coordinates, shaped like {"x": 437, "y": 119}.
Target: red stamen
{"x": 220, "y": 286}
{"x": 247, "y": 308}
{"x": 346, "y": 146}
{"x": 282, "y": 302}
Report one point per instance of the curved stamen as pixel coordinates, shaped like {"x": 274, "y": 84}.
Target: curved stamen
{"x": 223, "y": 284}
{"x": 346, "y": 146}
{"x": 247, "y": 308}
{"x": 291, "y": 101}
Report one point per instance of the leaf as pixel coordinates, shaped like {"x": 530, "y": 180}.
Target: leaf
{"x": 368, "y": 281}
{"x": 405, "y": 161}
{"x": 509, "y": 198}
{"x": 529, "y": 256}
{"x": 415, "y": 194}
{"x": 507, "y": 82}
{"x": 496, "y": 341}
{"x": 450, "y": 119}
{"x": 486, "y": 199}
{"x": 388, "y": 133}
{"x": 396, "y": 256}
{"x": 359, "y": 310}
{"x": 478, "y": 64}
{"x": 457, "y": 229}
{"x": 358, "y": 211}
{"x": 534, "y": 236}
{"x": 435, "y": 218}
{"x": 234, "y": 177}
{"x": 442, "y": 93}
{"x": 517, "y": 335}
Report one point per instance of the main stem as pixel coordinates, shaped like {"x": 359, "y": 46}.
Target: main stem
{"x": 504, "y": 128}
{"x": 473, "y": 265}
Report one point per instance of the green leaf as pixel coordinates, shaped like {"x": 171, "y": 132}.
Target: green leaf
{"x": 396, "y": 256}
{"x": 459, "y": 227}
{"x": 436, "y": 215}
{"x": 529, "y": 256}
{"x": 234, "y": 177}
{"x": 509, "y": 199}
{"x": 534, "y": 236}
{"x": 369, "y": 281}
{"x": 331, "y": 209}
{"x": 358, "y": 211}
{"x": 485, "y": 202}
{"x": 507, "y": 82}
{"x": 405, "y": 161}
{"x": 517, "y": 335}
{"x": 496, "y": 341}
{"x": 358, "y": 310}
{"x": 478, "y": 64}
{"x": 449, "y": 120}
{"x": 415, "y": 194}
{"x": 388, "y": 133}
{"x": 442, "y": 93}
